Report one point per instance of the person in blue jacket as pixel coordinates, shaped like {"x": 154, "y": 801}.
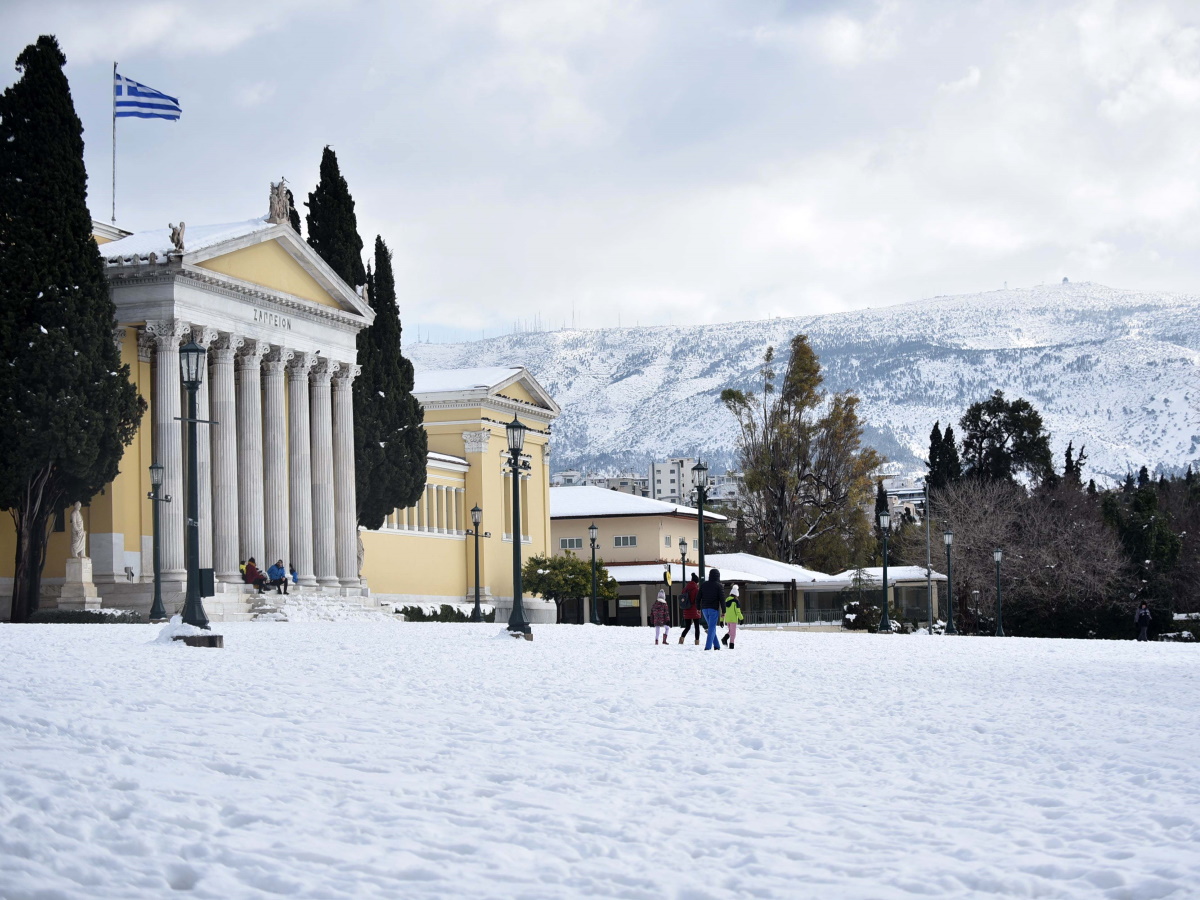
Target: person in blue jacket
{"x": 712, "y": 605}
{"x": 279, "y": 577}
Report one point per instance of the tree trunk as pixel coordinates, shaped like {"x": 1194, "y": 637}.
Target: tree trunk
{"x": 32, "y": 519}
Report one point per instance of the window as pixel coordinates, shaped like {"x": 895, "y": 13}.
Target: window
{"x": 672, "y": 481}
{"x": 667, "y": 540}
{"x": 658, "y": 481}
{"x": 570, "y": 543}
{"x": 696, "y": 545}
{"x": 625, "y": 540}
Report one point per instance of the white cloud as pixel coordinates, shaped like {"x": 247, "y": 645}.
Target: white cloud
{"x": 968, "y": 82}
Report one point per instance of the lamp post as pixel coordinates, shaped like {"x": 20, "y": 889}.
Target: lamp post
{"x": 700, "y": 480}
{"x": 885, "y": 623}
{"x": 191, "y": 366}
{"x": 998, "y": 555}
{"x": 948, "y": 537}
{"x": 158, "y": 612}
{"x": 517, "y": 623}
{"x": 683, "y": 548}
{"x": 476, "y": 518}
{"x": 592, "y": 532}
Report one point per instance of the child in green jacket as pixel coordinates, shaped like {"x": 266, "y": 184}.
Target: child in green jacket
{"x": 733, "y": 615}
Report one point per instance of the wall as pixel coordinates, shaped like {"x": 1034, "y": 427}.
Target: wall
{"x": 650, "y": 532}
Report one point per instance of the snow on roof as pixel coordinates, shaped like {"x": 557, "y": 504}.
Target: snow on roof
{"x": 446, "y": 457}
{"x": 439, "y": 381}
{"x": 581, "y": 501}
{"x": 196, "y": 237}
{"x": 769, "y": 569}
{"x": 650, "y": 573}
{"x": 895, "y": 574}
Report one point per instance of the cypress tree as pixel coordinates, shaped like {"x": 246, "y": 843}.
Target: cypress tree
{"x": 934, "y": 478}
{"x": 881, "y": 500}
{"x": 951, "y": 464}
{"x": 293, "y": 216}
{"x": 390, "y": 446}
{"x": 69, "y": 406}
{"x": 332, "y": 227}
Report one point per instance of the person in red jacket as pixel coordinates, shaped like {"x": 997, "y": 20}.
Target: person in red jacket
{"x": 691, "y": 613}
{"x": 660, "y": 617}
{"x": 254, "y": 575}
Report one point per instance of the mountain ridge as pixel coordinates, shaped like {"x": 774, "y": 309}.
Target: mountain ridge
{"x": 1116, "y": 370}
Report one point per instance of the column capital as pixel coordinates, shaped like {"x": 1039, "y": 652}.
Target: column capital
{"x": 225, "y": 348}
{"x": 301, "y": 364}
{"x": 345, "y": 376}
{"x": 167, "y": 333}
{"x": 118, "y": 334}
{"x": 251, "y": 355}
{"x": 204, "y": 335}
{"x": 476, "y": 441}
{"x": 324, "y": 370}
{"x": 277, "y": 359}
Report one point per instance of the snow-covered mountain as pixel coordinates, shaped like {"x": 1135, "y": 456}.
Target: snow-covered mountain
{"x": 1116, "y": 370}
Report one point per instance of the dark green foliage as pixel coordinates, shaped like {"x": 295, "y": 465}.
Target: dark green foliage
{"x": 447, "y": 613}
{"x": 69, "y": 407}
{"x": 293, "y": 216}
{"x": 390, "y": 445}
{"x": 1002, "y": 438}
{"x": 332, "y": 226}
{"x": 944, "y": 465}
{"x": 86, "y": 617}
{"x": 881, "y": 500}
{"x": 1152, "y": 545}
{"x": 1143, "y": 479}
{"x": 1073, "y": 467}
{"x": 566, "y": 577}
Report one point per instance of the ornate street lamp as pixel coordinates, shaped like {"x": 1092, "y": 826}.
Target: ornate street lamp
{"x": 700, "y": 480}
{"x": 476, "y": 518}
{"x": 517, "y": 623}
{"x": 948, "y": 537}
{"x": 998, "y": 555}
{"x": 191, "y": 367}
{"x": 592, "y": 532}
{"x": 683, "y": 548}
{"x": 158, "y": 612}
{"x": 885, "y": 524}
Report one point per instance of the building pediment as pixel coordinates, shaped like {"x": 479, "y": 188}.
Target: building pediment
{"x": 508, "y": 388}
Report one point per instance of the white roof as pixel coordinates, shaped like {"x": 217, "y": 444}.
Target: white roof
{"x": 653, "y": 572}
{"x": 895, "y": 574}
{"x": 437, "y": 381}
{"x": 583, "y": 501}
{"x": 195, "y": 238}
{"x": 768, "y": 569}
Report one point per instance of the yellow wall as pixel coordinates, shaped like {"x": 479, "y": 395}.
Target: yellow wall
{"x": 270, "y": 265}
{"x": 651, "y": 532}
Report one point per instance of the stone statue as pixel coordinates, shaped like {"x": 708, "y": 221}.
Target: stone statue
{"x": 78, "y": 535}
{"x": 362, "y": 554}
{"x": 280, "y": 209}
{"x": 177, "y": 236}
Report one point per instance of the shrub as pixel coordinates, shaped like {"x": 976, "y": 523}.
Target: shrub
{"x": 86, "y": 616}
{"x": 446, "y": 613}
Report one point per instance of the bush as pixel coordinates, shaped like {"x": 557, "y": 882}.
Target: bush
{"x": 446, "y": 613}
{"x": 86, "y": 616}
{"x": 861, "y": 616}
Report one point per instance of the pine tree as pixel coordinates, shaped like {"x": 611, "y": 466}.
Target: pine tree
{"x": 951, "y": 464}
{"x": 332, "y": 227}
{"x": 69, "y": 406}
{"x": 1143, "y": 479}
{"x": 390, "y": 446}
{"x": 881, "y": 503}
{"x": 1091, "y": 488}
{"x": 293, "y": 216}
{"x": 934, "y": 479}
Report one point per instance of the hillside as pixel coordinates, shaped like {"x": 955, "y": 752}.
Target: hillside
{"x": 1116, "y": 370}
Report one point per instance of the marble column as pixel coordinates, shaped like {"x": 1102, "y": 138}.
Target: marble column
{"x": 300, "y": 470}
{"x": 459, "y": 517}
{"x": 223, "y": 441}
{"x": 324, "y": 553}
{"x": 167, "y": 335}
{"x": 346, "y": 509}
{"x": 204, "y": 336}
{"x": 250, "y": 451}
{"x": 275, "y": 461}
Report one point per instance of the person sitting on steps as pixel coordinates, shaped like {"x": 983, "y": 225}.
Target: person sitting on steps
{"x": 254, "y": 575}
{"x": 279, "y": 577}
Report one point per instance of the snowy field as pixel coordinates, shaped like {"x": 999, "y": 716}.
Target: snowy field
{"x": 402, "y": 760}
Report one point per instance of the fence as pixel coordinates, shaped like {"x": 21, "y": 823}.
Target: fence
{"x": 789, "y": 617}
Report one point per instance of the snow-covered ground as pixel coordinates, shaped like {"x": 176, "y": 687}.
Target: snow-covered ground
{"x": 378, "y": 758}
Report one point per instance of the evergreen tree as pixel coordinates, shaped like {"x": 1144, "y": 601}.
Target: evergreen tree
{"x": 1143, "y": 479}
{"x": 1091, "y": 487}
{"x": 390, "y": 446}
{"x": 881, "y": 501}
{"x": 332, "y": 227}
{"x": 293, "y": 216}
{"x": 1073, "y": 466}
{"x": 1002, "y": 438}
{"x": 934, "y": 479}
{"x": 1187, "y": 479}
{"x": 1129, "y": 485}
{"x": 951, "y": 464}
{"x": 69, "y": 406}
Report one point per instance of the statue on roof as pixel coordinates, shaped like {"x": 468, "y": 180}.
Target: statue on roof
{"x": 177, "y": 236}
{"x": 279, "y": 210}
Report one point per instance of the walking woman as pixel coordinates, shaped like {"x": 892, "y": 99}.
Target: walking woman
{"x": 712, "y": 604}
{"x": 691, "y": 612}
{"x": 1142, "y": 619}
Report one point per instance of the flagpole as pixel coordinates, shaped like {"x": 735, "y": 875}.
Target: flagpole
{"x": 112, "y": 88}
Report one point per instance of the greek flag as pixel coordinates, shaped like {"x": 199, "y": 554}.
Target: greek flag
{"x": 133, "y": 100}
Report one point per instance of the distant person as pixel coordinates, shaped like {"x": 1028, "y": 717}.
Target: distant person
{"x": 1142, "y": 619}
{"x": 733, "y": 615}
{"x": 292, "y": 572}
{"x": 712, "y": 603}
{"x": 252, "y": 574}
{"x": 691, "y": 611}
{"x": 278, "y": 578}
{"x": 242, "y": 567}
{"x": 660, "y": 617}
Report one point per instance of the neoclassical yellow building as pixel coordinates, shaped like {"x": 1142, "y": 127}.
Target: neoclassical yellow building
{"x": 276, "y": 467}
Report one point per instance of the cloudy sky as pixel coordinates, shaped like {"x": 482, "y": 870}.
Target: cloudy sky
{"x": 673, "y": 161}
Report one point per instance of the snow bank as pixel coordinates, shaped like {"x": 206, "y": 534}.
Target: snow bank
{"x": 356, "y": 759}
{"x": 325, "y": 608}
{"x": 177, "y": 627}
